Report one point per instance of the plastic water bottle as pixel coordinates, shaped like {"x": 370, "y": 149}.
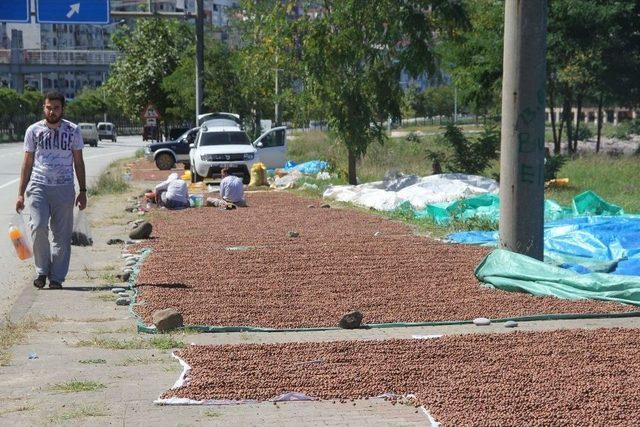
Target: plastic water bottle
{"x": 22, "y": 249}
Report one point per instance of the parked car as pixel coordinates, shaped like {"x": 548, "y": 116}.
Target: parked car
{"x": 89, "y": 133}
{"x": 107, "y": 130}
{"x": 217, "y": 148}
{"x": 167, "y": 154}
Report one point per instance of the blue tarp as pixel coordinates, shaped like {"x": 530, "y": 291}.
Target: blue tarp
{"x": 608, "y": 244}
{"x": 312, "y": 167}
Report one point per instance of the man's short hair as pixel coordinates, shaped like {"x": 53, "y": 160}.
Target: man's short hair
{"x": 224, "y": 171}
{"x": 55, "y": 96}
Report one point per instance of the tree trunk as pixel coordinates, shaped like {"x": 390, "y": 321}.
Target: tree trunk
{"x": 353, "y": 180}
{"x": 600, "y": 102}
{"x": 577, "y": 133}
{"x": 556, "y": 137}
{"x": 567, "y": 116}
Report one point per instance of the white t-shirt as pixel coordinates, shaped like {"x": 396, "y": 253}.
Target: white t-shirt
{"x": 177, "y": 189}
{"x": 231, "y": 189}
{"x": 53, "y": 163}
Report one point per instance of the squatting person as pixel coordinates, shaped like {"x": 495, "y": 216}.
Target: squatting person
{"x": 53, "y": 149}
{"x": 231, "y": 191}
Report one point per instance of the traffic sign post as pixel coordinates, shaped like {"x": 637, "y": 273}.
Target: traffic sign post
{"x": 72, "y": 11}
{"x": 15, "y": 11}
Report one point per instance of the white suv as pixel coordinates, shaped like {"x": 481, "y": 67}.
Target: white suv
{"x": 229, "y": 147}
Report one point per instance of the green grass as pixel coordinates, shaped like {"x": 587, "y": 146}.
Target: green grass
{"x": 110, "y": 181}
{"x": 11, "y": 334}
{"x": 395, "y": 153}
{"x": 106, "y": 296}
{"x": 76, "y": 386}
{"x": 139, "y": 153}
{"x": 614, "y": 179}
{"x": 85, "y": 411}
{"x": 160, "y": 342}
{"x": 21, "y": 408}
{"x": 212, "y": 414}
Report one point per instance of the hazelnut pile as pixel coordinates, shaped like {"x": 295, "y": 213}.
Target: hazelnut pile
{"x": 343, "y": 260}
{"x": 568, "y": 377}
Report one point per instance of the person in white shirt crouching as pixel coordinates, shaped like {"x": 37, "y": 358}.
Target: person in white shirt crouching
{"x": 231, "y": 192}
{"x": 172, "y": 193}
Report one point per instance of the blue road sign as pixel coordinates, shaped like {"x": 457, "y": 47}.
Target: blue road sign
{"x": 72, "y": 11}
{"x": 15, "y": 11}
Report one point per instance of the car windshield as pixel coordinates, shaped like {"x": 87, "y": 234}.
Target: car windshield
{"x": 224, "y": 138}
{"x": 183, "y": 136}
{"x": 104, "y": 127}
{"x": 87, "y": 127}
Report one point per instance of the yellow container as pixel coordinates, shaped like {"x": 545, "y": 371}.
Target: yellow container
{"x": 186, "y": 176}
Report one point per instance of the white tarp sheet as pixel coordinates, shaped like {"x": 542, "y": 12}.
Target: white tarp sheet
{"x": 387, "y": 195}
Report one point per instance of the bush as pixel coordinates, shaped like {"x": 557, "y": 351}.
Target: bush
{"x": 552, "y": 165}
{"x": 584, "y": 133}
{"x": 468, "y": 156}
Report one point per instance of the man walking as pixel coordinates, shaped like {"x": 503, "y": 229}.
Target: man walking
{"x": 53, "y": 149}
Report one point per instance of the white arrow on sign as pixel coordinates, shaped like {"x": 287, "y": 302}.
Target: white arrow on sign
{"x": 73, "y": 9}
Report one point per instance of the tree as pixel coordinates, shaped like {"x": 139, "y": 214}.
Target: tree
{"x": 353, "y": 54}
{"x": 473, "y": 56}
{"x": 149, "y": 53}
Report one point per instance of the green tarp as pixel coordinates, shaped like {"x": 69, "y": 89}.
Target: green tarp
{"x": 487, "y": 206}
{"x": 514, "y": 272}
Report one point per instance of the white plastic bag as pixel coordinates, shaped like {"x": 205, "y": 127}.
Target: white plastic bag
{"x": 20, "y": 237}
{"x": 81, "y": 235}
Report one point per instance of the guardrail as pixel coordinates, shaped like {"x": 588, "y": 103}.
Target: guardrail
{"x": 63, "y": 57}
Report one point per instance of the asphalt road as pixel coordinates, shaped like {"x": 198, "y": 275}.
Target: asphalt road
{"x": 14, "y": 272}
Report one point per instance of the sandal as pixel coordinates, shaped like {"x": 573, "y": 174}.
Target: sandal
{"x": 40, "y": 281}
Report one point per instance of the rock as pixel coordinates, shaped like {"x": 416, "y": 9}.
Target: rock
{"x": 510, "y": 324}
{"x": 293, "y": 234}
{"x": 118, "y": 290}
{"x": 142, "y": 231}
{"x": 130, "y": 262}
{"x": 123, "y": 294}
{"x": 127, "y": 270}
{"x": 167, "y": 319}
{"x": 123, "y": 301}
{"x": 123, "y": 277}
{"x": 481, "y": 321}
{"x": 114, "y": 241}
{"x": 377, "y": 233}
{"x": 129, "y": 242}
{"x": 311, "y": 206}
{"x": 351, "y": 320}
{"x": 130, "y": 209}
{"x": 325, "y": 206}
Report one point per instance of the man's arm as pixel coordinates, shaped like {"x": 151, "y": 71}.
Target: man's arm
{"x": 25, "y": 175}
{"x": 223, "y": 189}
{"x": 78, "y": 165}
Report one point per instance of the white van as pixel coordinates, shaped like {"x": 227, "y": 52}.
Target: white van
{"x": 107, "y": 130}
{"x": 89, "y": 134}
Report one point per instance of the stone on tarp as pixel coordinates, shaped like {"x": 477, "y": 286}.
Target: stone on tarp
{"x": 123, "y": 277}
{"x": 123, "y": 301}
{"x": 481, "y": 321}
{"x": 114, "y": 241}
{"x": 351, "y": 320}
{"x": 142, "y": 231}
{"x": 118, "y": 290}
{"x": 167, "y": 319}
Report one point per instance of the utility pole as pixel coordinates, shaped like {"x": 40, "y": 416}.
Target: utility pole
{"x": 199, "y": 57}
{"x": 522, "y": 142}
{"x": 277, "y": 103}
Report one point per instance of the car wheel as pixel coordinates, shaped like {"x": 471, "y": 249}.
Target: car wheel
{"x": 165, "y": 161}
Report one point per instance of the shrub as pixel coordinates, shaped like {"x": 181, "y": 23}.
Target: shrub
{"x": 467, "y": 156}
